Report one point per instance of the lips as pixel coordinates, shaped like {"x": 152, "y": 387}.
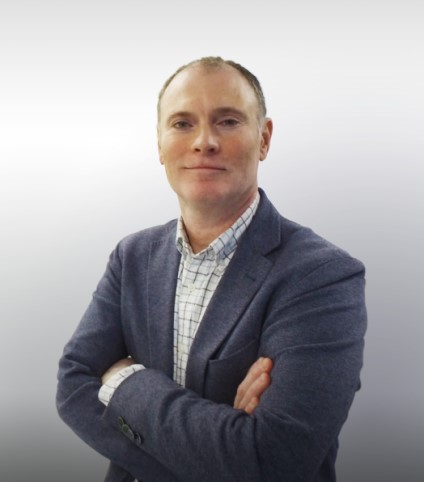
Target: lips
{"x": 206, "y": 167}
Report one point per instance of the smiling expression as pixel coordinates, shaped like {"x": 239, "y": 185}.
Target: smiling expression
{"x": 211, "y": 137}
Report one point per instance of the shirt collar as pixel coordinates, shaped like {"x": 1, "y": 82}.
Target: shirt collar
{"x": 223, "y": 245}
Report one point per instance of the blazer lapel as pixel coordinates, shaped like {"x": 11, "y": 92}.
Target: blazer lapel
{"x": 242, "y": 279}
{"x": 163, "y": 266}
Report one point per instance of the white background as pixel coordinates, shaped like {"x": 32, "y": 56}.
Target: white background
{"x": 79, "y": 170}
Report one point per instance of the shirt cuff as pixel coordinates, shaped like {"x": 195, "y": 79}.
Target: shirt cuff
{"x": 108, "y": 389}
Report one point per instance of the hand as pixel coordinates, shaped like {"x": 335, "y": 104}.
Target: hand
{"x": 125, "y": 362}
{"x": 254, "y": 385}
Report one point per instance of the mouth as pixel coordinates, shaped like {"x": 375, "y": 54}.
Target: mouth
{"x": 205, "y": 168}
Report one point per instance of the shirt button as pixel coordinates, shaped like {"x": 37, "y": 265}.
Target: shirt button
{"x": 191, "y": 287}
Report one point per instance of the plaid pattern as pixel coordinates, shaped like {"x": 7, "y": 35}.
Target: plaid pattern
{"x": 198, "y": 277}
{"x": 108, "y": 389}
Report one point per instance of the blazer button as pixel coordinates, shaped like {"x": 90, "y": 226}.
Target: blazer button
{"x": 137, "y": 438}
{"x": 127, "y": 431}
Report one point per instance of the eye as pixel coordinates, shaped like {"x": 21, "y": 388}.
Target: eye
{"x": 181, "y": 125}
{"x": 229, "y": 122}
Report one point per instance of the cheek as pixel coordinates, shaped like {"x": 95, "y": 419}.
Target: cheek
{"x": 247, "y": 147}
{"x": 171, "y": 152}
{"x": 248, "y": 156}
{"x": 168, "y": 169}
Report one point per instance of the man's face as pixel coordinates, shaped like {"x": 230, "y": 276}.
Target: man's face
{"x": 211, "y": 139}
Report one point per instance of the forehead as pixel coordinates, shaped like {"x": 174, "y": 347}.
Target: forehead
{"x": 214, "y": 87}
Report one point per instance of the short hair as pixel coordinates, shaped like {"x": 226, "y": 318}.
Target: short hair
{"x": 216, "y": 63}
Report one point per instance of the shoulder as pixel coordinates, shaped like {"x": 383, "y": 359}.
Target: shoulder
{"x": 303, "y": 243}
{"x": 307, "y": 255}
{"x": 140, "y": 242}
{"x": 297, "y": 250}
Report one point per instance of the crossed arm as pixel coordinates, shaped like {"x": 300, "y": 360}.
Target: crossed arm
{"x": 255, "y": 383}
{"x": 313, "y": 333}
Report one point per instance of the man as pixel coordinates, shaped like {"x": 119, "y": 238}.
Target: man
{"x": 156, "y": 377}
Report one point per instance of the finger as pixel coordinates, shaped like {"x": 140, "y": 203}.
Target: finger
{"x": 260, "y": 366}
{"x": 254, "y": 392}
{"x": 267, "y": 364}
{"x": 250, "y": 407}
{"x": 256, "y": 389}
{"x": 253, "y": 372}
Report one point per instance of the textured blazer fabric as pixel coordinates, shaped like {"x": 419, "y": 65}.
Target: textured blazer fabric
{"x": 287, "y": 294}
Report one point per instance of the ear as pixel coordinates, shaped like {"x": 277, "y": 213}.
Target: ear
{"x": 266, "y": 134}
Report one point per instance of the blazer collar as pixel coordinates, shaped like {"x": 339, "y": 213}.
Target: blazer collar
{"x": 242, "y": 279}
{"x": 164, "y": 260}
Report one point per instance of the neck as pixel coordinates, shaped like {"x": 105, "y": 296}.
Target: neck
{"x": 205, "y": 224}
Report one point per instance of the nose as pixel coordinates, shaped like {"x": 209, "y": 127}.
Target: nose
{"x": 205, "y": 141}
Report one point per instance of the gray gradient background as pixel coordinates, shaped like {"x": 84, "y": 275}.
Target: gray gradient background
{"x": 78, "y": 84}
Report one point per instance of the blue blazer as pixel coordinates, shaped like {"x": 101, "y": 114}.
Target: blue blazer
{"x": 287, "y": 294}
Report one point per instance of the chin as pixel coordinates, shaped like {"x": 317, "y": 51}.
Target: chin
{"x": 204, "y": 194}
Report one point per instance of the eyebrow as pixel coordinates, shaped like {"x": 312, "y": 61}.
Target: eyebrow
{"x": 230, "y": 111}
{"x": 178, "y": 115}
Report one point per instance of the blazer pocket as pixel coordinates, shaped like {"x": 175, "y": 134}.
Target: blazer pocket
{"x": 224, "y": 375}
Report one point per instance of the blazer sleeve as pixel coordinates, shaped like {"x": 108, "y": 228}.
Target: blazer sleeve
{"x": 314, "y": 333}
{"x": 97, "y": 343}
